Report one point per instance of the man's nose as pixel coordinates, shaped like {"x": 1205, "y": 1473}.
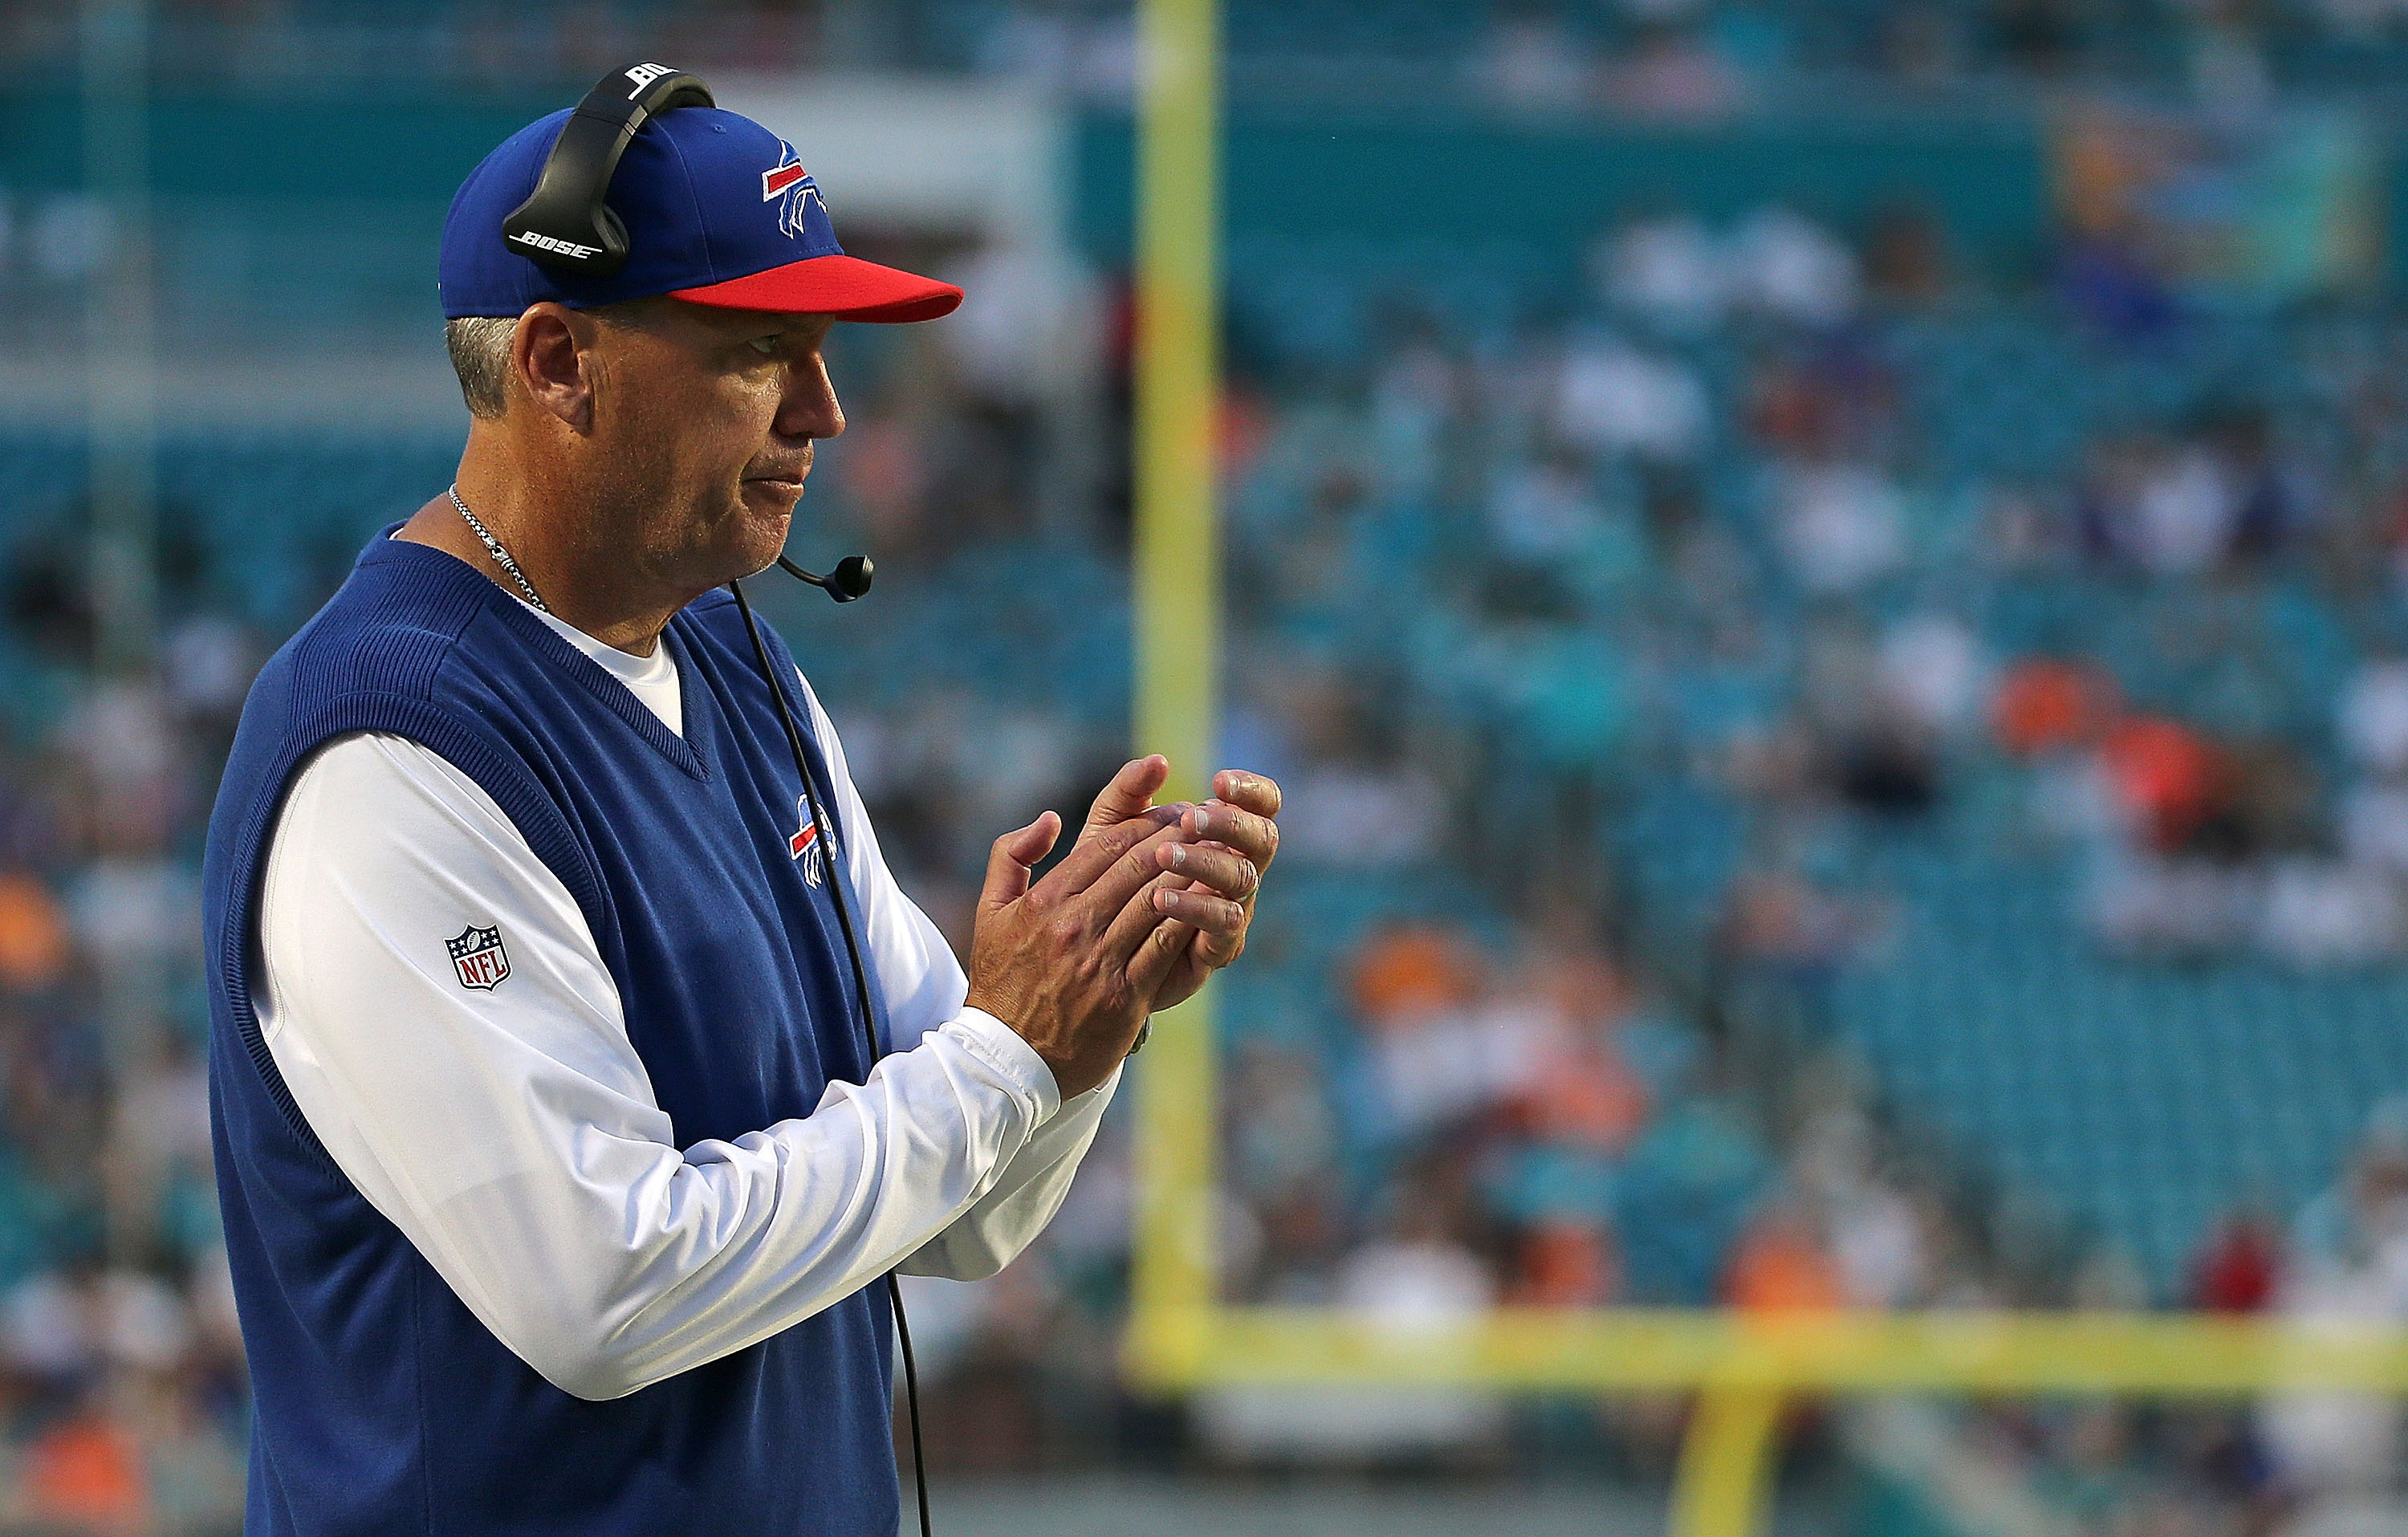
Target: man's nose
{"x": 808, "y": 408}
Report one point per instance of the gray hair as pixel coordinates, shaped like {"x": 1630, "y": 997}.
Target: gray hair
{"x": 480, "y": 346}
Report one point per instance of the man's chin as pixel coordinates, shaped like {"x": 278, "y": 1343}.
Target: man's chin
{"x": 762, "y": 528}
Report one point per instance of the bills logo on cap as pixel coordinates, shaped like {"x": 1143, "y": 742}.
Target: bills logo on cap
{"x": 477, "y": 957}
{"x": 788, "y": 180}
{"x": 805, "y": 845}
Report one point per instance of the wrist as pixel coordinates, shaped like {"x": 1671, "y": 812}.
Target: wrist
{"x": 1014, "y": 1056}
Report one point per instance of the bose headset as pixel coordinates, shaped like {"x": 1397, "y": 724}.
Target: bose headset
{"x": 567, "y": 226}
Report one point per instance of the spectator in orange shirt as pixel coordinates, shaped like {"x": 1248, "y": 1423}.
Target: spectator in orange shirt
{"x": 1782, "y": 1266}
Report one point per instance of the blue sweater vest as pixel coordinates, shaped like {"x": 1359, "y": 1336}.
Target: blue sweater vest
{"x": 381, "y": 1405}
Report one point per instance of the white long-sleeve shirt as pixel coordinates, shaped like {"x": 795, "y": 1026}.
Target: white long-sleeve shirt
{"x": 512, "y": 1136}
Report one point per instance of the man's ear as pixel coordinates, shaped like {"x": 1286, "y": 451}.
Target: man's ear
{"x": 550, "y": 355}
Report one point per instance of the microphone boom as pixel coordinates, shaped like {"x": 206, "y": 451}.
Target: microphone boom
{"x": 848, "y": 580}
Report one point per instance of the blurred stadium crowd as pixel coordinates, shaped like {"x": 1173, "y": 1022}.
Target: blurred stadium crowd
{"x": 1675, "y": 58}
{"x": 1817, "y": 777}
{"x": 1780, "y": 639}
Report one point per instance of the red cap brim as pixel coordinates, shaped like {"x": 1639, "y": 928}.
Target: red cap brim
{"x": 844, "y": 286}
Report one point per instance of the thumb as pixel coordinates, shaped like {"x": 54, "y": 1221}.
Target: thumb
{"x": 1130, "y": 793}
{"x": 1014, "y": 854}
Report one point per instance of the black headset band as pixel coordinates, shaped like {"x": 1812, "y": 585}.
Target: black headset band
{"x": 564, "y": 225}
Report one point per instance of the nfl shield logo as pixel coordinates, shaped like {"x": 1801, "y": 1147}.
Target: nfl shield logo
{"x": 479, "y": 957}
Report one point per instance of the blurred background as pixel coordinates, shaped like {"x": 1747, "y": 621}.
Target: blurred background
{"x": 1827, "y": 581}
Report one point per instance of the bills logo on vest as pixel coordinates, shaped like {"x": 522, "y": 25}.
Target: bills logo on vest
{"x": 804, "y": 844}
{"x": 478, "y": 957}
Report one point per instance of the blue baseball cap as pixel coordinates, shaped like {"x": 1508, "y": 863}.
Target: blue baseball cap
{"x": 718, "y": 210}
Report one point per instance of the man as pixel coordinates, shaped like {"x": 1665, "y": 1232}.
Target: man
{"x": 556, "y": 1174}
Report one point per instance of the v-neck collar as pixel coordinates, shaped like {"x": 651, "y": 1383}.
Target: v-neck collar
{"x": 592, "y": 675}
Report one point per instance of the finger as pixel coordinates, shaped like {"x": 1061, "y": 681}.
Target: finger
{"x": 1215, "y": 951}
{"x": 1220, "y": 868}
{"x": 1095, "y": 854}
{"x": 1158, "y": 955}
{"x": 1213, "y": 915}
{"x": 1216, "y": 948}
{"x": 1127, "y": 875}
{"x": 1014, "y": 854}
{"x": 1130, "y": 793}
{"x": 1177, "y": 943}
{"x": 1253, "y": 836}
{"x": 1250, "y": 791}
{"x": 1032, "y": 843}
{"x": 1137, "y": 919}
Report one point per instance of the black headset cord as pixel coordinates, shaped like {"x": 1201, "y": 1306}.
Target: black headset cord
{"x": 868, "y": 1025}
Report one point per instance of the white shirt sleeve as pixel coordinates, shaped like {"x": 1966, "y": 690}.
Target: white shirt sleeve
{"x": 512, "y": 1134}
{"x": 925, "y": 987}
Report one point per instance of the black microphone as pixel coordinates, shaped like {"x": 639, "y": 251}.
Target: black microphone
{"x": 848, "y": 581}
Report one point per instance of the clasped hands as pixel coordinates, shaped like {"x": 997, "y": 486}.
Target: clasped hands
{"x": 1150, "y": 902}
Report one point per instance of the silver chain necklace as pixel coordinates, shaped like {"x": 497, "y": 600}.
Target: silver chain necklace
{"x": 501, "y": 556}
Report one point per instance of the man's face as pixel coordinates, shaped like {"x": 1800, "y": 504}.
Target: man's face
{"x": 702, "y": 426}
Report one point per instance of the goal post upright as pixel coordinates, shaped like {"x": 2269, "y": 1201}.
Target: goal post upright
{"x": 1175, "y": 603}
